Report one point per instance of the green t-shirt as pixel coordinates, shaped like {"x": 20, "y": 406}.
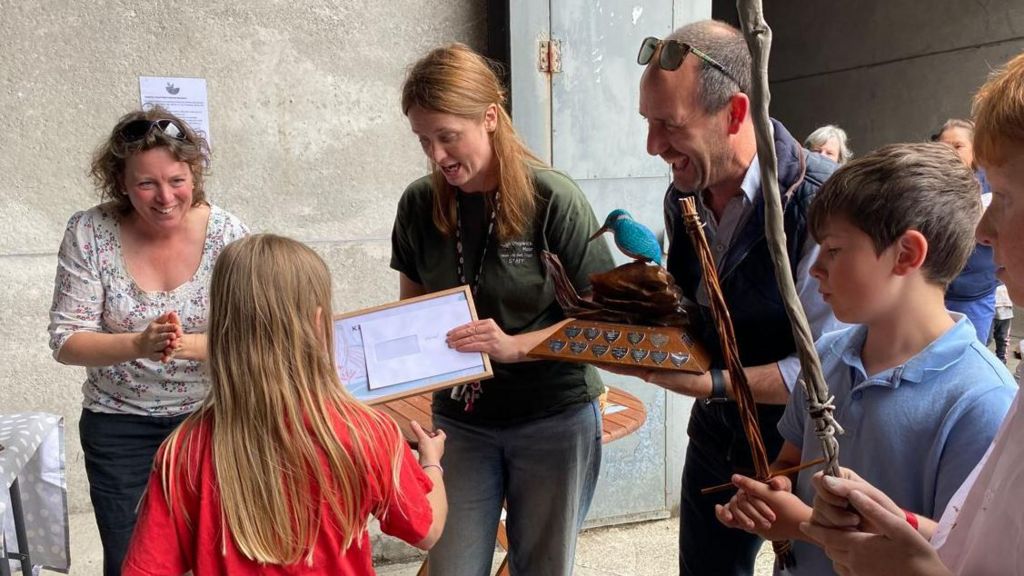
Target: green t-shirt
{"x": 515, "y": 290}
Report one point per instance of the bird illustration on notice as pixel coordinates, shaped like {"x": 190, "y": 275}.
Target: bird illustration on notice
{"x": 631, "y": 237}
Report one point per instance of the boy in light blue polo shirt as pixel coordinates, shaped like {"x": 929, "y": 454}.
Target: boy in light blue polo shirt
{"x": 919, "y": 397}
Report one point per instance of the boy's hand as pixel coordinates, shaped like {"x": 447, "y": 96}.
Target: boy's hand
{"x": 769, "y": 510}
{"x": 832, "y": 506}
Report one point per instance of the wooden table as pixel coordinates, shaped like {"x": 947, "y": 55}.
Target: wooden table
{"x": 622, "y": 415}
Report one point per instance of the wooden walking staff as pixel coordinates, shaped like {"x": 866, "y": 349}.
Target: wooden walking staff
{"x": 759, "y": 39}
{"x": 730, "y": 354}
{"x": 819, "y": 402}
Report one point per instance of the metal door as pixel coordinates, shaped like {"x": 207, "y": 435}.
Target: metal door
{"x": 575, "y": 100}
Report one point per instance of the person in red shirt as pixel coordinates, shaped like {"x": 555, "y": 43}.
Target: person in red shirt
{"x": 280, "y": 469}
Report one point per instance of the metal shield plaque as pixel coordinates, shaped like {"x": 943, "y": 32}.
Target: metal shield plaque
{"x": 612, "y": 343}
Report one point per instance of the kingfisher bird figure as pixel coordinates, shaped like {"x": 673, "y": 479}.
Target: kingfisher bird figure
{"x": 631, "y": 237}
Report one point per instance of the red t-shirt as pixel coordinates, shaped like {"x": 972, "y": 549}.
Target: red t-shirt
{"x": 162, "y": 545}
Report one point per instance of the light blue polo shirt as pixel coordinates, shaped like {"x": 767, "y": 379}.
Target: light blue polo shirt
{"x": 915, "y": 431}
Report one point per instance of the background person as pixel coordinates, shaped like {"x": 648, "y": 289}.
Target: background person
{"x": 1001, "y": 323}
{"x": 973, "y": 291}
{"x": 830, "y": 141}
{"x": 130, "y": 304}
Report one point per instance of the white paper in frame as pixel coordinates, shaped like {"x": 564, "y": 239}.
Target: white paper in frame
{"x": 397, "y": 350}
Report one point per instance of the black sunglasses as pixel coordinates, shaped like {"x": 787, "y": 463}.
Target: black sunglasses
{"x": 138, "y": 129}
{"x": 673, "y": 52}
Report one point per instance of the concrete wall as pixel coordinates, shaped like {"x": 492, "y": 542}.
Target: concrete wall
{"x": 886, "y": 71}
{"x": 308, "y": 140}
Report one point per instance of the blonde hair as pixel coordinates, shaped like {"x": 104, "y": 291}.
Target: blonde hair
{"x": 275, "y": 398}
{"x": 456, "y": 80}
{"x": 999, "y": 113}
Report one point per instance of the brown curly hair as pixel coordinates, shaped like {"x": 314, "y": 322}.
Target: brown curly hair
{"x": 108, "y": 162}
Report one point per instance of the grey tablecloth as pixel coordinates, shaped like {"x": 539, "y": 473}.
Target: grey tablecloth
{"x": 34, "y": 455}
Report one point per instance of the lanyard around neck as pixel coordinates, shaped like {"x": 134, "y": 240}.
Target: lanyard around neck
{"x": 460, "y": 262}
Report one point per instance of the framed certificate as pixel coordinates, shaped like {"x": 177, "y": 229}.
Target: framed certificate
{"x": 399, "y": 349}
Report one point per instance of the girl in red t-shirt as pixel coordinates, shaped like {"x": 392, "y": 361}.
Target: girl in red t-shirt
{"x": 280, "y": 469}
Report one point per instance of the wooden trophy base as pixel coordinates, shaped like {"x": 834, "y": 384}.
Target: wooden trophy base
{"x": 658, "y": 347}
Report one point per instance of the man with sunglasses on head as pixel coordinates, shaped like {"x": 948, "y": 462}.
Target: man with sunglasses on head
{"x": 694, "y": 96}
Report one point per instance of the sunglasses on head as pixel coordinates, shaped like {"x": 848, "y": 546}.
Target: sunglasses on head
{"x": 138, "y": 129}
{"x": 672, "y": 54}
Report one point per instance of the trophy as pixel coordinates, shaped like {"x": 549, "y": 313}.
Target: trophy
{"x": 635, "y": 315}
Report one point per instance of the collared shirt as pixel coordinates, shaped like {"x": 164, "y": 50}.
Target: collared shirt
{"x": 982, "y": 529}
{"x": 720, "y": 234}
{"x": 914, "y": 431}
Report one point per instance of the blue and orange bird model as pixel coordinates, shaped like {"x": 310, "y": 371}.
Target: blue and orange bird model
{"x": 631, "y": 237}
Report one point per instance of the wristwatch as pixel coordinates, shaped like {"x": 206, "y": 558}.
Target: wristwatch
{"x": 718, "y": 394}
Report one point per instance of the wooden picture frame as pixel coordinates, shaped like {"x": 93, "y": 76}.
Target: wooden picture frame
{"x": 407, "y": 353}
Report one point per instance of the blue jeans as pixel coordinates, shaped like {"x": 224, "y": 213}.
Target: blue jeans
{"x": 119, "y": 451}
{"x": 545, "y": 470}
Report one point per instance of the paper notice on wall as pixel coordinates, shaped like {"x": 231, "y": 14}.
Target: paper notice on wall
{"x": 183, "y": 97}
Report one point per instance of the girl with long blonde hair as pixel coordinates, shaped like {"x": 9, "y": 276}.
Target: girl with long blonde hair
{"x": 531, "y": 436}
{"x": 280, "y": 467}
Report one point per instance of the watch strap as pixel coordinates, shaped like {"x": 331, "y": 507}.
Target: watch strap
{"x": 718, "y": 392}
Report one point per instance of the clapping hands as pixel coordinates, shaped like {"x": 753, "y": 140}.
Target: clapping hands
{"x": 162, "y": 338}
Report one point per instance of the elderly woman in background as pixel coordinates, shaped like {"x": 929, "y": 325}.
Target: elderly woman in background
{"x": 973, "y": 292}
{"x": 830, "y": 141}
{"x": 130, "y": 304}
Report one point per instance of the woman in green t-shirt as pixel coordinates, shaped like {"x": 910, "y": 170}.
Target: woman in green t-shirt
{"x": 531, "y": 436}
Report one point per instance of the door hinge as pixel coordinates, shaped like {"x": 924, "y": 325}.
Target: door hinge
{"x": 549, "y": 56}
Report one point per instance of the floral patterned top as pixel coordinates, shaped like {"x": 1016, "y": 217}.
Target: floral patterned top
{"x": 94, "y": 292}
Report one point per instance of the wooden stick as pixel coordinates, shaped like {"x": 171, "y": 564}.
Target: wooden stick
{"x": 759, "y": 39}
{"x": 783, "y": 472}
{"x": 730, "y": 354}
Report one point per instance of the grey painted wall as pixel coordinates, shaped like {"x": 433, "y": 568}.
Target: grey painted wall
{"x": 886, "y": 71}
{"x": 308, "y": 140}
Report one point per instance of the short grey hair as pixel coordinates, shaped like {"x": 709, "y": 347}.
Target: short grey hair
{"x": 818, "y": 138}
{"x": 967, "y": 125}
{"x": 728, "y": 47}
